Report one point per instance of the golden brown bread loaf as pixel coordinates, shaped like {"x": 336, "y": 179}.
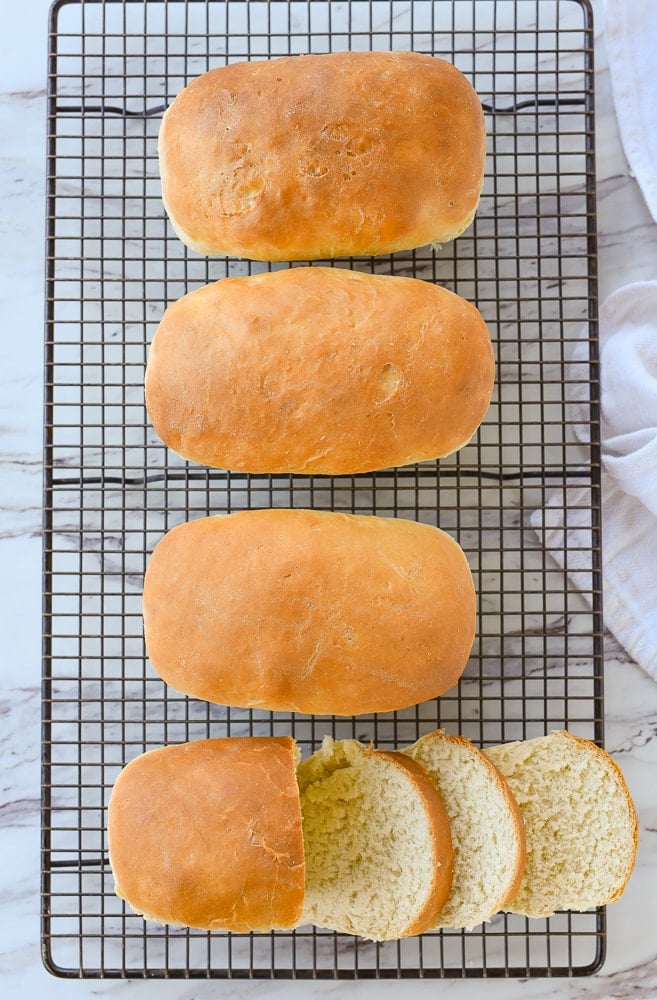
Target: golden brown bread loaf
{"x": 220, "y": 834}
{"x": 317, "y": 156}
{"x": 208, "y": 834}
{"x": 318, "y": 370}
{"x": 309, "y": 611}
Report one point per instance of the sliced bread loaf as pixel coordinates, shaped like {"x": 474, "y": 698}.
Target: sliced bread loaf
{"x": 580, "y": 823}
{"x": 487, "y": 829}
{"x": 377, "y": 841}
{"x": 207, "y": 834}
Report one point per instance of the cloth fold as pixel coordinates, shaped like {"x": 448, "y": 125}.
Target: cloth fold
{"x": 628, "y": 382}
{"x": 631, "y": 39}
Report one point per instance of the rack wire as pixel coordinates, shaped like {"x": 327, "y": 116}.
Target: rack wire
{"x": 111, "y": 488}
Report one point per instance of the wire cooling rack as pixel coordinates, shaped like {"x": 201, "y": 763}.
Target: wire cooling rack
{"x": 112, "y": 489}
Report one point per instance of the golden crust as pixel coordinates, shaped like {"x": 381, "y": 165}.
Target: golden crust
{"x": 309, "y": 611}
{"x": 318, "y": 156}
{"x": 318, "y": 370}
{"x": 208, "y": 834}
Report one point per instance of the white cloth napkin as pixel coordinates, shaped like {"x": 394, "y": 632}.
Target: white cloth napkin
{"x": 631, "y": 38}
{"x": 628, "y": 376}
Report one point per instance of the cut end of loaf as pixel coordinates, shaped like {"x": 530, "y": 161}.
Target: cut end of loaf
{"x": 377, "y": 842}
{"x": 580, "y": 823}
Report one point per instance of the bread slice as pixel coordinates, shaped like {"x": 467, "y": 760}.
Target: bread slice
{"x": 487, "y": 829}
{"x": 377, "y": 842}
{"x": 580, "y": 823}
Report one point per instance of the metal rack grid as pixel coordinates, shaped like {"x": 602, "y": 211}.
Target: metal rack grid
{"x": 111, "y": 488}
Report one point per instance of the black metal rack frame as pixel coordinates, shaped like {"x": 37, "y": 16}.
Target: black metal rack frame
{"x": 111, "y": 489}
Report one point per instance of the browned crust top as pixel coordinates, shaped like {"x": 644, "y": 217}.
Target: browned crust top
{"x": 310, "y": 611}
{"x": 318, "y": 156}
{"x": 318, "y": 370}
{"x": 208, "y": 834}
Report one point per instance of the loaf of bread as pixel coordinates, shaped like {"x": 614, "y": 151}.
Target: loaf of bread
{"x": 208, "y": 834}
{"x": 487, "y": 829}
{"x": 580, "y": 823}
{"x": 318, "y": 156}
{"x": 377, "y": 840}
{"x": 318, "y": 370}
{"x": 221, "y": 834}
{"x": 309, "y": 611}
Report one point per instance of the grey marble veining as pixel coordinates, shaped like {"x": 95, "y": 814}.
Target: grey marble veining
{"x": 627, "y": 251}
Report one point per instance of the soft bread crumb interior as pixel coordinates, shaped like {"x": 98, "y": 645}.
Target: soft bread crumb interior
{"x": 579, "y": 820}
{"x": 488, "y": 845}
{"x": 368, "y": 843}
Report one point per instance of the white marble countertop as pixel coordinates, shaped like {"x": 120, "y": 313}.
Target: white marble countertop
{"x": 627, "y": 252}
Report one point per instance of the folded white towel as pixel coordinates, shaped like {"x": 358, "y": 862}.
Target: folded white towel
{"x": 628, "y": 377}
{"x": 631, "y": 37}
